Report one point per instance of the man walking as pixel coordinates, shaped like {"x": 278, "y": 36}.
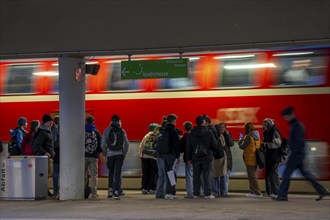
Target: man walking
{"x": 297, "y": 145}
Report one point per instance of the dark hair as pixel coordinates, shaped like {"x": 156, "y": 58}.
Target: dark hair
{"x": 207, "y": 119}
{"x": 199, "y": 120}
{"x": 171, "y": 117}
{"x": 90, "y": 120}
{"x": 115, "y": 118}
{"x": 34, "y": 125}
{"x": 187, "y": 126}
{"x": 248, "y": 127}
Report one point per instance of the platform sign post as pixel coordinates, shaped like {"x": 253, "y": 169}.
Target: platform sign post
{"x": 151, "y": 69}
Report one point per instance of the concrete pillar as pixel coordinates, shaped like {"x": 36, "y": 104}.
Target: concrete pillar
{"x": 72, "y": 128}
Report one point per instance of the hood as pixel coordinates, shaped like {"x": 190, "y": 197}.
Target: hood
{"x": 13, "y": 132}
{"x": 90, "y": 127}
{"x": 199, "y": 131}
{"x": 255, "y": 134}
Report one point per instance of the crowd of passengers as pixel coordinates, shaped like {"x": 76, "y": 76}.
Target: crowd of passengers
{"x": 205, "y": 148}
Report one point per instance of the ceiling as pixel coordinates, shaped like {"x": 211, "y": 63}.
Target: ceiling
{"x": 32, "y": 28}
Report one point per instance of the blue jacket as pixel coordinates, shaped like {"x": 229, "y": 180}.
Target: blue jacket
{"x": 19, "y": 135}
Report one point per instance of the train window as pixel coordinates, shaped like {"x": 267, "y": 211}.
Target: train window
{"x": 116, "y": 84}
{"x": 181, "y": 83}
{"x": 232, "y": 73}
{"x": 20, "y": 78}
{"x": 300, "y": 69}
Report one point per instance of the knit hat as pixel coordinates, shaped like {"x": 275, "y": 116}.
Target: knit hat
{"x": 287, "y": 111}
{"x": 269, "y": 121}
{"x": 171, "y": 117}
{"x": 21, "y": 121}
{"x": 90, "y": 120}
{"x": 153, "y": 126}
{"x": 46, "y": 118}
{"x": 199, "y": 120}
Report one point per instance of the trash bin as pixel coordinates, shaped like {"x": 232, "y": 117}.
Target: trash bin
{"x": 26, "y": 178}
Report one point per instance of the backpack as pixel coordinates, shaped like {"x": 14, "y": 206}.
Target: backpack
{"x": 90, "y": 142}
{"x": 148, "y": 147}
{"x": 200, "y": 150}
{"x": 13, "y": 148}
{"x": 115, "y": 139}
{"x": 162, "y": 142}
{"x": 284, "y": 149}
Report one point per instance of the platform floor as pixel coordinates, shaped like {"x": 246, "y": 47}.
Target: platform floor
{"x": 134, "y": 205}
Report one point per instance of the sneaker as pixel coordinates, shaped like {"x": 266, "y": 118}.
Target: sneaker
{"x": 188, "y": 196}
{"x": 195, "y": 197}
{"x": 121, "y": 193}
{"x": 160, "y": 197}
{"x": 169, "y": 196}
{"x": 152, "y": 191}
{"x": 273, "y": 195}
{"x": 209, "y": 197}
{"x": 95, "y": 196}
{"x": 252, "y": 195}
{"x": 110, "y": 194}
{"x": 116, "y": 196}
{"x": 144, "y": 191}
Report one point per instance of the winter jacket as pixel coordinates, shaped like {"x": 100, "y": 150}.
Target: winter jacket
{"x": 296, "y": 139}
{"x": 43, "y": 142}
{"x": 26, "y": 146}
{"x": 272, "y": 139}
{"x": 104, "y": 142}
{"x": 183, "y": 146}
{"x": 19, "y": 133}
{"x": 174, "y": 139}
{"x": 229, "y": 143}
{"x": 249, "y": 144}
{"x": 204, "y": 134}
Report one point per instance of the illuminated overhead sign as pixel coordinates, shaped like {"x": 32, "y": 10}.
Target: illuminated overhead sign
{"x": 148, "y": 69}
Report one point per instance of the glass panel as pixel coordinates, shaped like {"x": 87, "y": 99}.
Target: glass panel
{"x": 301, "y": 70}
{"x": 181, "y": 83}
{"x": 20, "y": 78}
{"x": 115, "y": 82}
{"x": 235, "y": 77}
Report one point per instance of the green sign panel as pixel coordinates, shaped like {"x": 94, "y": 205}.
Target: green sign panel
{"x": 148, "y": 69}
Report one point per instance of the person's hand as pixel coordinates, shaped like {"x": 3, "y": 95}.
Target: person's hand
{"x": 48, "y": 155}
{"x": 189, "y": 162}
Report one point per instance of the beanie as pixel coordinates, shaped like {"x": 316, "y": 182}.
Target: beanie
{"x": 287, "y": 111}
{"x": 153, "y": 126}
{"x": 21, "y": 121}
{"x": 46, "y": 118}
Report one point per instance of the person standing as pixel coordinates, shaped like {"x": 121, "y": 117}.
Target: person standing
{"x": 26, "y": 146}
{"x": 43, "y": 143}
{"x": 188, "y": 166}
{"x": 174, "y": 154}
{"x": 250, "y": 143}
{"x": 17, "y": 136}
{"x": 297, "y": 143}
{"x": 115, "y": 146}
{"x": 271, "y": 143}
{"x": 56, "y": 165}
{"x": 146, "y": 153}
{"x": 227, "y": 140}
{"x": 92, "y": 151}
{"x": 201, "y": 144}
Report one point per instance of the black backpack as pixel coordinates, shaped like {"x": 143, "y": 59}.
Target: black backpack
{"x": 284, "y": 149}
{"x": 200, "y": 150}
{"x": 13, "y": 148}
{"x": 162, "y": 142}
{"x": 115, "y": 139}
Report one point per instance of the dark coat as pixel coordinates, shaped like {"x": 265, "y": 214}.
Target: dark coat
{"x": 296, "y": 138}
{"x": 174, "y": 139}
{"x": 43, "y": 142}
{"x": 206, "y": 135}
{"x": 229, "y": 143}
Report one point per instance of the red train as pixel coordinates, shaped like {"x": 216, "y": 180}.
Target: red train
{"x": 229, "y": 86}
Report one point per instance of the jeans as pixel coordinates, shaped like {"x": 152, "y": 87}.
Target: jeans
{"x": 56, "y": 174}
{"x": 202, "y": 169}
{"x": 169, "y": 161}
{"x": 189, "y": 179}
{"x": 114, "y": 164}
{"x": 227, "y": 180}
{"x": 91, "y": 169}
{"x": 219, "y": 185}
{"x": 161, "y": 181}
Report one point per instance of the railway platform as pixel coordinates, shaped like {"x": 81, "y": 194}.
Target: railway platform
{"x": 133, "y": 205}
